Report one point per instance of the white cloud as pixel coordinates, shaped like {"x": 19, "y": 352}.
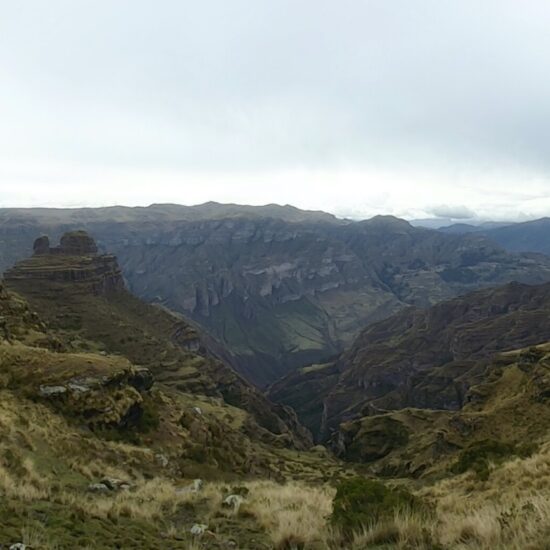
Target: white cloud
{"x": 354, "y": 107}
{"x": 453, "y": 212}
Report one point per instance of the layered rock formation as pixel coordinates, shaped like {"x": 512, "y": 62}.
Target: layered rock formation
{"x": 74, "y": 260}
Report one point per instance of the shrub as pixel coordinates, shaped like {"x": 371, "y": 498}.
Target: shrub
{"x": 478, "y": 455}
{"x": 149, "y": 419}
{"x": 360, "y": 503}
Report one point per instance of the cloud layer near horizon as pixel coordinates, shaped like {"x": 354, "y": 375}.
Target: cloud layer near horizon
{"x": 426, "y": 108}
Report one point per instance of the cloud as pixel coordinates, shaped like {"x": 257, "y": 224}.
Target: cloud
{"x": 454, "y": 212}
{"x": 426, "y": 102}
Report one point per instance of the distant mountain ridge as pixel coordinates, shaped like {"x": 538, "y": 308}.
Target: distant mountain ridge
{"x": 278, "y": 287}
{"x": 166, "y": 212}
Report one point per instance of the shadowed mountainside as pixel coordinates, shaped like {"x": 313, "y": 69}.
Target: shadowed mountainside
{"x": 419, "y": 358}
{"x": 531, "y": 236}
{"x": 506, "y": 412}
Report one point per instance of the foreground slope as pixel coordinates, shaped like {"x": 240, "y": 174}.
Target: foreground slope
{"x": 94, "y": 453}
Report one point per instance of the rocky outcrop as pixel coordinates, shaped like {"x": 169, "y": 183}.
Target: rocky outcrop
{"x": 73, "y": 243}
{"x": 104, "y": 401}
{"x": 75, "y": 260}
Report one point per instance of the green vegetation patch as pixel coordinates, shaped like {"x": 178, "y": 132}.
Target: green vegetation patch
{"x": 360, "y": 503}
{"x": 478, "y": 456}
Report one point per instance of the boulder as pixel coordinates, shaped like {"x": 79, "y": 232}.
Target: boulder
{"x": 233, "y": 501}
{"x": 197, "y": 485}
{"x": 114, "y": 484}
{"x": 142, "y": 379}
{"x": 162, "y": 460}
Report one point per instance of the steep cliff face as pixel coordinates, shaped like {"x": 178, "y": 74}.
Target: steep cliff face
{"x": 422, "y": 358}
{"x": 81, "y": 296}
{"x": 281, "y": 289}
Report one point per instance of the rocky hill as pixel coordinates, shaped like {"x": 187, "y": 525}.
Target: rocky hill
{"x": 425, "y": 359}
{"x": 111, "y": 409}
{"x": 506, "y": 415}
{"x": 81, "y": 295}
{"x": 278, "y": 287}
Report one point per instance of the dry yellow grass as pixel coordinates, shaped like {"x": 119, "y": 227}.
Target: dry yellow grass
{"x": 45, "y": 458}
{"x": 293, "y": 512}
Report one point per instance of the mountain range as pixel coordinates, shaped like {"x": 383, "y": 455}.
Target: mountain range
{"x": 125, "y": 423}
{"x": 278, "y": 288}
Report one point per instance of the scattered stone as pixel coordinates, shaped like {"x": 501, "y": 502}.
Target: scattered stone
{"x": 18, "y": 546}
{"x": 233, "y": 501}
{"x": 240, "y": 490}
{"x": 197, "y": 485}
{"x": 198, "y": 529}
{"x": 162, "y": 460}
{"x": 114, "y": 484}
{"x": 52, "y": 391}
{"x": 198, "y": 410}
{"x": 78, "y": 388}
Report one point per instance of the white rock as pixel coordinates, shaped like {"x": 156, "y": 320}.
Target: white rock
{"x": 115, "y": 484}
{"x": 18, "y": 546}
{"x": 198, "y": 529}
{"x": 233, "y": 501}
{"x": 162, "y": 460}
{"x": 52, "y": 391}
{"x": 197, "y": 485}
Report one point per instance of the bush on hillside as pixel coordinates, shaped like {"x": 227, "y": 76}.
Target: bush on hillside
{"x": 478, "y": 456}
{"x": 360, "y": 503}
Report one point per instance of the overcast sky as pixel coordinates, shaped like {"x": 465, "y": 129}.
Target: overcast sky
{"x": 417, "y": 108}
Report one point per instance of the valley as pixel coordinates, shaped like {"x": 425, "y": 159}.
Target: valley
{"x": 119, "y": 412}
{"x": 277, "y": 287}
